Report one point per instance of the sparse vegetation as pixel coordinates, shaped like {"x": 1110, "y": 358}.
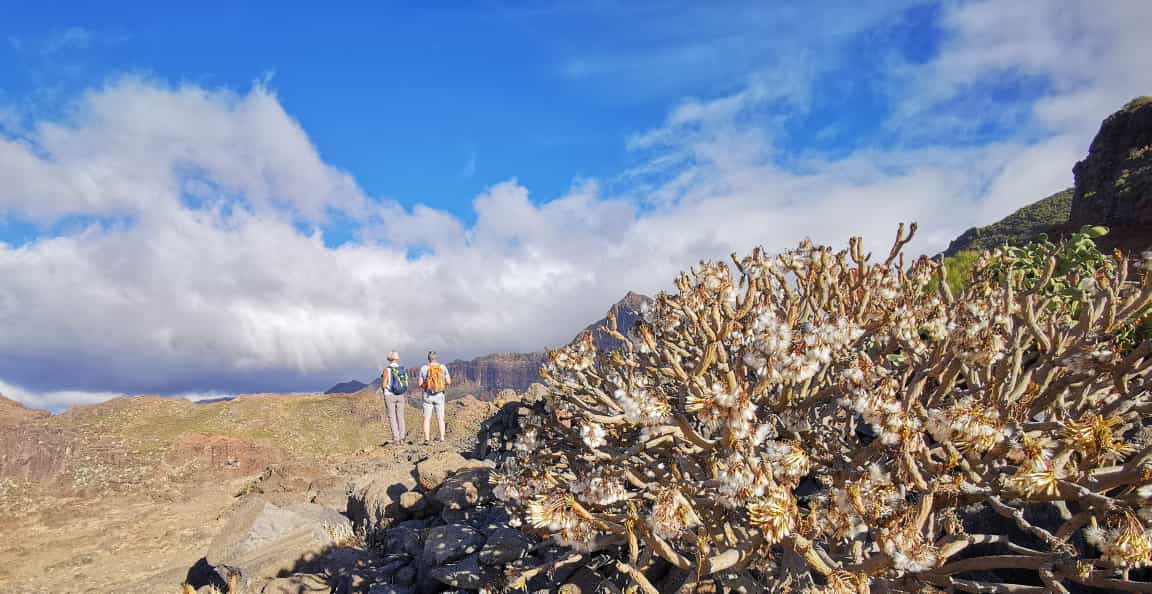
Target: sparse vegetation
{"x": 819, "y": 422}
{"x": 1025, "y": 225}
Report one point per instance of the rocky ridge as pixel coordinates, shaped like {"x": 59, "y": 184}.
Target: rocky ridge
{"x": 1113, "y": 188}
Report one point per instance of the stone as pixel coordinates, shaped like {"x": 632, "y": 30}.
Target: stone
{"x": 301, "y": 583}
{"x": 504, "y": 545}
{"x": 329, "y": 491}
{"x": 372, "y": 504}
{"x": 394, "y": 562}
{"x": 404, "y": 540}
{"x": 433, "y": 470}
{"x": 415, "y": 524}
{"x": 390, "y": 589}
{"x": 467, "y": 574}
{"x": 445, "y": 544}
{"x": 464, "y": 489}
{"x": 260, "y": 540}
{"x": 584, "y": 581}
{"x": 496, "y": 518}
{"x": 413, "y": 503}
{"x": 406, "y": 576}
{"x": 473, "y": 516}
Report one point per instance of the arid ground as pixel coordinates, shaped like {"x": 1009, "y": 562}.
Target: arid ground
{"x": 125, "y": 496}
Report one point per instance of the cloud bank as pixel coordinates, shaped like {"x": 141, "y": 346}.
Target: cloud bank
{"x": 181, "y": 229}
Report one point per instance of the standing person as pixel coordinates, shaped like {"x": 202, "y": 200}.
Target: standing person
{"x": 434, "y": 379}
{"x": 394, "y": 382}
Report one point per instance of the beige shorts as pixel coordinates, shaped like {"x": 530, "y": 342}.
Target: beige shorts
{"x": 434, "y": 402}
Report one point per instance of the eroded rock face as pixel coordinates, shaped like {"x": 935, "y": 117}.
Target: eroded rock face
{"x": 260, "y": 540}
{"x": 373, "y": 503}
{"x": 1114, "y": 182}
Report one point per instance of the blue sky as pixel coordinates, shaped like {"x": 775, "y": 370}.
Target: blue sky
{"x": 433, "y": 105}
{"x": 203, "y": 198}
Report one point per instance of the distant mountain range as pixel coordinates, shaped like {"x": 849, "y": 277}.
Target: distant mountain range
{"x": 1113, "y": 188}
{"x": 516, "y": 371}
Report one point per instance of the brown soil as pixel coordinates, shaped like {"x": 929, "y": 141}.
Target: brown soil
{"x": 125, "y": 497}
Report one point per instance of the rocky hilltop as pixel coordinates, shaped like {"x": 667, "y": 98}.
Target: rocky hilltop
{"x": 489, "y": 374}
{"x": 1114, "y": 182}
{"x": 12, "y": 412}
{"x": 628, "y": 311}
{"x": 1113, "y": 187}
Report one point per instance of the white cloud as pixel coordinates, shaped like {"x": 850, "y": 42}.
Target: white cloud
{"x": 137, "y": 147}
{"x": 1084, "y": 58}
{"x": 655, "y": 49}
{"x": 193, "y": 274}
{"x": 55, "y": 401}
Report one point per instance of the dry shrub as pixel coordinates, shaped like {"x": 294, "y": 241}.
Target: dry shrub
{"x": 817, "y": 421}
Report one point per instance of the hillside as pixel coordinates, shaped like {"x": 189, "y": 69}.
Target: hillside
{"x": 1113, "y": 188}
{"x": 106, "y": 497}
{"x": 12, "y": 412}
{"x": 1041, "y": 217}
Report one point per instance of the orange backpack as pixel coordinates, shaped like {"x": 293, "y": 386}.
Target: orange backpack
{"x": 434, "y": 381}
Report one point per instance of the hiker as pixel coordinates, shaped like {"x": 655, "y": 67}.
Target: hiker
{"x": 434, "y": 379}
{"x": 394, "y": 382}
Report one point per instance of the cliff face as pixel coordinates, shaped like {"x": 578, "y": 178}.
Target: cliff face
{"x": 1114, "y": 182}
{"x": 1113, "y": 188}
{"x": 499, "y": 371}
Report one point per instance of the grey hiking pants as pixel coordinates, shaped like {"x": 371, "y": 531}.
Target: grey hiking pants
{"x": 395, "y": 406}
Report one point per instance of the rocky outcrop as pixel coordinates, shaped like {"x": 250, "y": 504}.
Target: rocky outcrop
{"x": 434, "y": 470}
{"x": 12, "y": 412}
{"x": 432, "y": 524}
{"x": 261, "y": 540}
{"x": 30, "y": 450}
{"x": 628, "y": 310}
{"x": 446, "y": 532}
{"x": 499, "y": 371}
{"x": 1114, "y": 182}
{"x": 1113, "y": 188}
